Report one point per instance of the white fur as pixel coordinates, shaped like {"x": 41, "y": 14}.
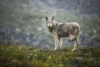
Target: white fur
{"x": 49, "y": 24}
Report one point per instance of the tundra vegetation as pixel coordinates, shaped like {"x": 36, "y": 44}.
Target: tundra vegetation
{"x": 25, "y": 56}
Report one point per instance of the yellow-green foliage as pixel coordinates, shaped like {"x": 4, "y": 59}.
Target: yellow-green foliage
{"x": 24, "y": 56}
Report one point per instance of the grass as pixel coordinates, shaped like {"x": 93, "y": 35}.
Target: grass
{"x": 25, "y": 56}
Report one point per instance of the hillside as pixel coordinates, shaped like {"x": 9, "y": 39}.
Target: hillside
{"x": 23, "y": 21}
{"x": 25, "y": 56}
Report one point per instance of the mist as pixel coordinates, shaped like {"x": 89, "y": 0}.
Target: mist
{"x": 23, "y": 21}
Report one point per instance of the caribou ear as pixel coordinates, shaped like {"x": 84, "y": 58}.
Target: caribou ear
{"x": 46, "y": 18}
{"x": 52, "y": 18}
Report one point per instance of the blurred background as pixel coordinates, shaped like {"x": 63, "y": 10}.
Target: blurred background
{"x": 23, "y": 21}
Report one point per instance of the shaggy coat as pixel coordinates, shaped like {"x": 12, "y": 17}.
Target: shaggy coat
{"x": 60, "y": 30}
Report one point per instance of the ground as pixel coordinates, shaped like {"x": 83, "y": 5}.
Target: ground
{"x": 26, "y": 56}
